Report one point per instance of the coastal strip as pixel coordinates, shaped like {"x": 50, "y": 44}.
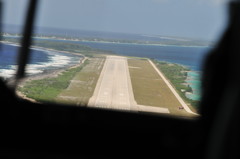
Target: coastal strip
{"x": 46, "y": 87}
{"x": 55, "y": 60}
{"x": 184, "y": 105}
{"x": 42, "y": 48}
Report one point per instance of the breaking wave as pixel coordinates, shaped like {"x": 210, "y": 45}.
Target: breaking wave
{"x": 41, "y": 61}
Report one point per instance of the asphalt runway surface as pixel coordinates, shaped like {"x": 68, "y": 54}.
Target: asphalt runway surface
{"x": 112, "y": 88}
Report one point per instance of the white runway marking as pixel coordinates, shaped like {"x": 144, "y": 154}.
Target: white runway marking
{"x": 112, "y": 90}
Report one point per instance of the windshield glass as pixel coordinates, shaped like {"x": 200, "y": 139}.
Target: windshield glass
{"x": 128, "y": 55}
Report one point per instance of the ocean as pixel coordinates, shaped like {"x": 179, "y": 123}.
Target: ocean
{"x": 41, "y": 60}
{"x": 191, "y": 57}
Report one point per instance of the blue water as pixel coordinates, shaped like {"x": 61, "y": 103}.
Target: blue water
{"x": 191, "y": 57}
{"x": 188, "y": 56}
{"x": 8, "y": 56}
{"x": 195, "y": 83}
{"x": 40, "y": 60}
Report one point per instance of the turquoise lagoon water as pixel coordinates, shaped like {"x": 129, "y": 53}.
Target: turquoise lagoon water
{"x": 194, "y": 81}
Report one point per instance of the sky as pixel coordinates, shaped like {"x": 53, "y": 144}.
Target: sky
{"x": 203, "y": 19}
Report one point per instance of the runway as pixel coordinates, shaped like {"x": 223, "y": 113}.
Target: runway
{"x": 114, "y": 88}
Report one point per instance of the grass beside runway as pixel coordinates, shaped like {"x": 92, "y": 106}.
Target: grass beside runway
{"x": 76, "y": 86}
{"x": 47, "y": 89}
{"x": 82, "y": 86}
{"x": 177, "y": 75}
{"x": 73, "y": 86}
{"x": 149, "y": 88}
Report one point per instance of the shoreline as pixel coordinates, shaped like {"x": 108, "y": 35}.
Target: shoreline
{"x": 194, "y": 81}
{"x": 47, "y": 73}
{"x": 111, "y": 42}
{"x": 122, "y": 43}
{"x": 41, "y": 48}
{"x": 46, "y": 70}
{"x": 169, "y": 84}
{"x": 44, "y": 75}
{"x": 52, "y": 73}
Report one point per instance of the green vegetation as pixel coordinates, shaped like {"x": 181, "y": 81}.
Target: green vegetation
{"x": 61, "y": 45}
{"x": 161, "y": 40}
{"x": 149, "y": 88}
{"x": 47, "y": 89}
{"x": 82, "y": 86}
{"x": 74, "y": 86}
{"x": 69, "y": 46}
{"x": 177, "y": 74}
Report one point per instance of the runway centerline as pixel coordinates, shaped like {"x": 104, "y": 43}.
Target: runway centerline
{"x": 112, "y": 87}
